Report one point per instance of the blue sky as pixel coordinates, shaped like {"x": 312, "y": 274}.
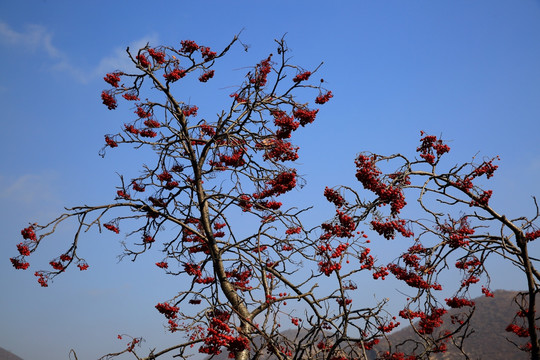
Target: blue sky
{"x": 468, "y": 70}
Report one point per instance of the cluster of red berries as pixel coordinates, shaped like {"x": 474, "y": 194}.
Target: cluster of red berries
{"x": 302, "y": 76}
{"x": 430, "y": 147}
{"x": 158, "y": 56}
{"x": 175, "y": 74}
{"x": 456, "y": 302}
{"x": 113, "y": 79}
{"x": 143, "y": 61}
{"x": 206, "y": 76}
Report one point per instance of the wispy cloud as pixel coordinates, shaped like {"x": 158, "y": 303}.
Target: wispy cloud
{"x": 118, "y": 59}
{"x": 28, "y": 189}
{"x": 34, "y": 38}
{"x": 38, "y": 39}
{"x": 30, "y": 197}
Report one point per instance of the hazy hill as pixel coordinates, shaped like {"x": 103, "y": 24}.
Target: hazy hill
{"x": 489, "y": 341}
{"x": 6, "y": 355}
{"x": 491, "y": 317}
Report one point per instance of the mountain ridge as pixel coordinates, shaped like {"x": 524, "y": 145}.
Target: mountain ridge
{"x": 8, "y": 355}
{"x": 489, "y": 339}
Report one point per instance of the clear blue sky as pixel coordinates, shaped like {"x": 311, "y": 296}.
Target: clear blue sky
{"x": 469, "y": 70}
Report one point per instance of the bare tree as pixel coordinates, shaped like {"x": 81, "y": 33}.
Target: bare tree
{"x": 458, "y": 229}
{"x": 240, "y": 276}
{"x": 206, "y": 172}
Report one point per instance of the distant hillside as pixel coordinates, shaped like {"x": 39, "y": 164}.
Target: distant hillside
{"x": 491, "y": 317}
{"x": 489, "y": 341}
{"x": 6, "y": 355}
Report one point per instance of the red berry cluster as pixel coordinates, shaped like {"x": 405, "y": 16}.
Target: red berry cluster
{"x": 482, "y": 200}
{"x": 342, "y": 228}
{"x": 368, "y": 345}
{"x": 465, "y": 184}
{"x": 148, "y": 133}
{"x": 42, "y": 278}
{"x": 430, "y": 147}
{"x": 397, "y": 356}
{"x": 381, "y": 273}
{"x": 18, "y": 264}
{"x": 456, "y": 302}
{"x": 368, "y": 174}
{"x": 113, "y": 79}
{"x": 282, "y": 183}
{"x": 240, "y": 279}
{"x": 388, "y": 229}
{"x": 411, "y": 278}
{"x": 428, "y": 322}
{"x": 518, "y": 330}
{"x": 169, "y": 311}
{"x": 238, "y": 98}
{"x": 261, "y": 72}
{"x": 158, "y": 56}
{"x": 366, "y": 260}
{"x": 157, "y": 202}
{"x": 207, "y": 130}
{"x": 112, "y": 228}
{"x": 456, "y": 232}
{"x": 130, "y": 97}
{"x": 122, "y": 194}
{"x": 235, "y": 160}
{"x": 468, "y": 281}
{"x": 143, "y": 61}
{"x": 110, "y": 142}
{"x": 334, "y": 197}
{"x": 533, "y": 235}
{"x": 293, "y": 230}
{"x": 57, "y": 264}
{"x": 486, "y": 168}
{"x": 272, "y": 205}
{"x": 328, "y": 267}
{"x": 388, "y": 328}
{"x": 244, "y": 201}
{"x": 151, "y": 123}
{"x": 188, "y": 236}
{"x": 220, "y": 335}
{"x": 279, "y": 150}
{"x": 324, "y": 98}
{"x": 188, "y": 46}
{"x": 285, "y": 123}
{"x": 175, "y": 74}
{"x": 302, "y": 76}
{"x": 23, "y": 249}
{"x": 143, "y": 114}
{"x": 305, "y": 116}
{"x": 207, "y": 54}
{"x": 109, "y": 100}
{"x": 190, "y": 110}
{"x": 206, "y": 76}
{"x": 344, "y": 302}
{"x": 28, "y": 233}
{"x": 138, "y": 187}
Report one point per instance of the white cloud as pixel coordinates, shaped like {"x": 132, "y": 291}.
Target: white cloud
{"x": 34, "y": 38}
{"x": 28, "y": 189}
{"x": 118, "y": 59}
{"x": 38, "y": 39}
{"x": 29, "y": 197}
